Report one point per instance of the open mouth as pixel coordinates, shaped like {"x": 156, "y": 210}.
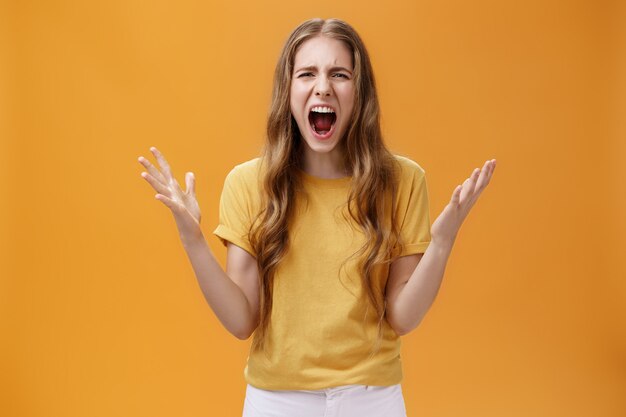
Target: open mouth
{"x": 322, "y": 119}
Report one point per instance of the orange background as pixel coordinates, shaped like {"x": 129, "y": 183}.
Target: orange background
{"x": 100, "y": 313}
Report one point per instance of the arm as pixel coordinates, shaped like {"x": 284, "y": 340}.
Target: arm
{"x": 412, "y": 286}
{"x": 232, "y": 295}
{"x": 414, "y": 280}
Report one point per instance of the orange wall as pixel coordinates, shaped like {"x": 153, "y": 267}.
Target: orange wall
{"x": 100, "y": 313}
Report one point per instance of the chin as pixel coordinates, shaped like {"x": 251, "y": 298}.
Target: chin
{"x": 321, "y": 147}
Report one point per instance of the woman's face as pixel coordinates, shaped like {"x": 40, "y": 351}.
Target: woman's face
{"x": 322, "y": 92}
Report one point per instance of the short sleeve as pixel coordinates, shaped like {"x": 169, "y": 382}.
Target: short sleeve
{"x": 235, "y": 212}
{"x": 414, "y": 213}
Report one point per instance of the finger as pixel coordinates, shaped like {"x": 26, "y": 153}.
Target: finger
{"x": 177, "y": 189}
{"x": 490, "y": 166}
{"x": 167, "y": 172}
{"x": 456, "y": 196}
{"x": 485, "y": 175}
{"x": 151, "y": 169}
{"x": 157, "y": 185}
{"x": 483, "y": 181}
{"x": 475, "y": 175}
{"x": 468, "y": 186}
{"x": 171, "y": 204}
{"x": 190, "y": 182}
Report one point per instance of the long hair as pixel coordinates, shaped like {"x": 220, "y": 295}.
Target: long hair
{"x": 374, "y": 169}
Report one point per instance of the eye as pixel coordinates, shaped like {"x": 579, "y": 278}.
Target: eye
{"x": 341, "y": 75}
{"x": 305, "y": 74}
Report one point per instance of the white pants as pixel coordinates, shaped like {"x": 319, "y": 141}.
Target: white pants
{"x": 343, "y": 401}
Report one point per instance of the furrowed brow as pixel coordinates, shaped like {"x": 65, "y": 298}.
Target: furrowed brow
{"x": 341, "y": 69}
{"x": 332, "y": 69}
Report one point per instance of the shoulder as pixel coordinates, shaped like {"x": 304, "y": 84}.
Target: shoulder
{"x": 247, "y": 167}
{"x": 245, "y": 172}
{"x": 409, "y": 169}
{"x": 243, "y": 184}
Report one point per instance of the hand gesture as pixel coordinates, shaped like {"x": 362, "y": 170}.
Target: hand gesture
{"x": 184, "y": 205}
{"x": 447, "y": 225}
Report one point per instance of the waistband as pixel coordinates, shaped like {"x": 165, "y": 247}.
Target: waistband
{"x": 328, "y": 392}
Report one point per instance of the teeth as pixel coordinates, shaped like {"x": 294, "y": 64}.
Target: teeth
{"x": 320, "y": 109}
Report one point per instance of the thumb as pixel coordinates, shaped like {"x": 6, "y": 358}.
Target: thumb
{"x": 190, "y": 181}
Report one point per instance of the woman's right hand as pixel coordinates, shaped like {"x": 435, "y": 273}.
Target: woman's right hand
{"x": 184, "y": 205}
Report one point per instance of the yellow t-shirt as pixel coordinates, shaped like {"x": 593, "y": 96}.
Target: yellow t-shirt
{"x": 321, "y": 333}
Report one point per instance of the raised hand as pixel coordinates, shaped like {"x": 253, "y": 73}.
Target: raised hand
{"x": 447, "y": 225}
{"x": 183, "y": 204}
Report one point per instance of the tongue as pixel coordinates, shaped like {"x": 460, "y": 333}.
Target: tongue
{"x": 323, "y": 121}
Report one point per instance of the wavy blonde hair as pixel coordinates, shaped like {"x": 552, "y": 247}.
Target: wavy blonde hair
{"x": 374, "y": 169}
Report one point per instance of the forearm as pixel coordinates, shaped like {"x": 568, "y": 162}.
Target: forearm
{"x": 225, "y": 298}
{"x": 418, "y": 294}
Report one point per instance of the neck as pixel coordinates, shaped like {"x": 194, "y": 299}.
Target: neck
{"x": 328, "y": 165}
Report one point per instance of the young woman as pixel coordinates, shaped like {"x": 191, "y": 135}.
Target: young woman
{"x": 330, "y": 252}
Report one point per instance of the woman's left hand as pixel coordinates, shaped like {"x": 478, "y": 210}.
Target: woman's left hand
{"x": 447, "y": 225}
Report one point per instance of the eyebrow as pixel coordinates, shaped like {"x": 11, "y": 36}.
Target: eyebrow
{"x": 313, "y": 67}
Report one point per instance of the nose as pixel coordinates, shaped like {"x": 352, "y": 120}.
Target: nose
{"x": 322, "y": 87}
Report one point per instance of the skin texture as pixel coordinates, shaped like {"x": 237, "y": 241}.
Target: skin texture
{"x": 317, "y": 79}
